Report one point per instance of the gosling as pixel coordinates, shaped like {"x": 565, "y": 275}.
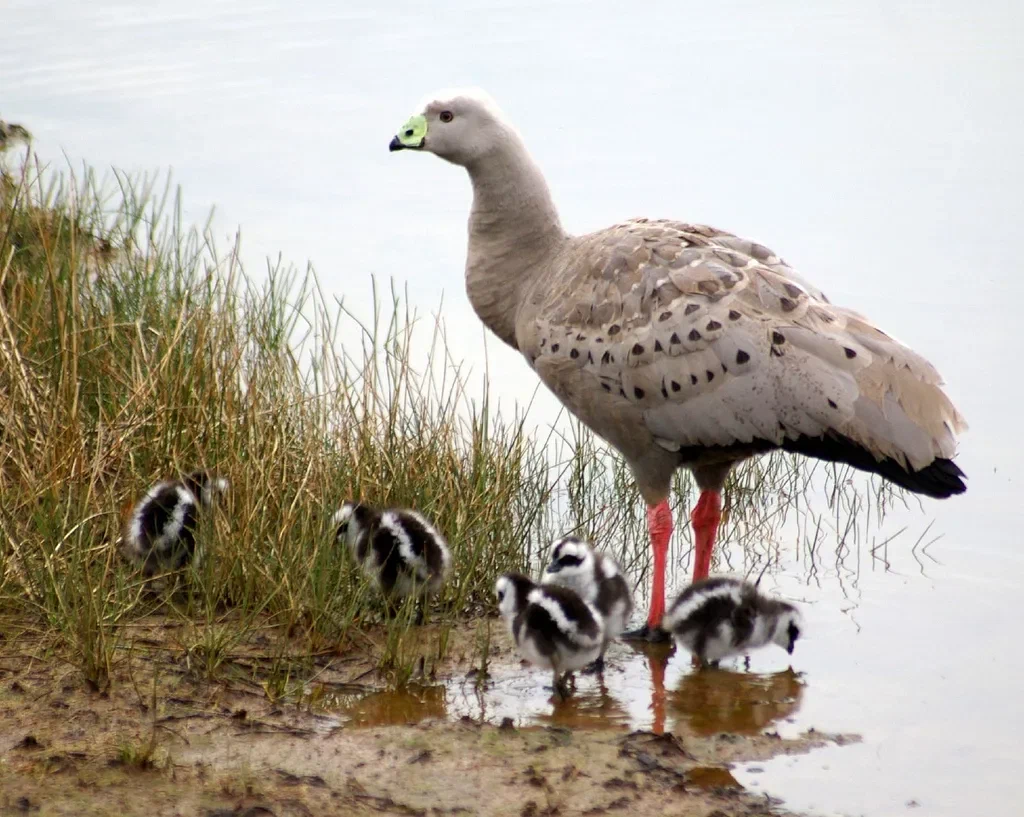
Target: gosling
{"x": 721, "y": 617}
{"x": 552, "y": 626}
{"x": 397, "y": 549}
{"x": 160, "y": 534}
{"x": 598, "y": 580}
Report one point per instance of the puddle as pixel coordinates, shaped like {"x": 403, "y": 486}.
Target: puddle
{"x": 631, "y": 694}
{"x": 712, "y": 777}
{"x": 410, "y": 705}
{"x": 743, "y": 703}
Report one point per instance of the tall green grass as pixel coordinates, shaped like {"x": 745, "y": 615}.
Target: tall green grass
{"x": 133, "y": 348}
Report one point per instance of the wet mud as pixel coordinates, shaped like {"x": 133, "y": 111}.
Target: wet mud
{"x": 462, "y": 740}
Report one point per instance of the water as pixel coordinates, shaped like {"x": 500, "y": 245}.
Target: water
{"x": 899, "y": 661}
{"x": 876, "y": 149}
{"x": 636, "y": 691}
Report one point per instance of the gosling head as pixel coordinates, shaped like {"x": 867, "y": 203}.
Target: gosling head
{"x": 571, "y": 558}
{"x": 207, "y": 487}
{"x": 788, "y": 628}
{"x": 350, "y": 519}
{"x": 511, "y": 590}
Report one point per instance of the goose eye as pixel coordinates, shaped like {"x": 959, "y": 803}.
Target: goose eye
{"x": 446, "y": 116}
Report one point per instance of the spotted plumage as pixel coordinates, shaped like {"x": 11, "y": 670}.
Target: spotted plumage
{"x": 397, "y": 548}
{"x": 161, "y": 530}
{"x": 597, "y": 579}
{"x": 721, "y": 617}
{"x": 699, "y": 315}
{"x": 552, "y": 626}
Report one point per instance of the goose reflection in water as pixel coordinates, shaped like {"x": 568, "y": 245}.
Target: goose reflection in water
{"x": 706, "y": 701}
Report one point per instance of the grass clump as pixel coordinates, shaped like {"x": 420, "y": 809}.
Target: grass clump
{"x": 133, "y": 349}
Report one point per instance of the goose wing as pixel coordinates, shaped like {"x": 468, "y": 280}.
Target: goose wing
{"x": 708, "y": 339}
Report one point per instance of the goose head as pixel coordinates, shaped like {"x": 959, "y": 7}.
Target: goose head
{"x": 460, "y": 126}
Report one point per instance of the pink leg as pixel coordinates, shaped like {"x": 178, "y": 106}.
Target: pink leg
{"x": 659, "y": 525}
{"x": 705, "y": 518}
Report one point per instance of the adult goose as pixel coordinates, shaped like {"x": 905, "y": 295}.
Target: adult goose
{"x": 680, "y": 344}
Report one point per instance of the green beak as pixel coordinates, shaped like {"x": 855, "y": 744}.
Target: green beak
{"x": 412, "y": 135}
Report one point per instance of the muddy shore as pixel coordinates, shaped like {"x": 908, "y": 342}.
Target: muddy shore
{"x": 163, "y": 742}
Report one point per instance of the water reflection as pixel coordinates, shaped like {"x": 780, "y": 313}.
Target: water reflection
{"x": 656, "y": 658}
{"x": 595, "y": 708}
{"x": 744, "y": 703}
{"x": 393, "y": 707}
{"x": 706, "y": 701}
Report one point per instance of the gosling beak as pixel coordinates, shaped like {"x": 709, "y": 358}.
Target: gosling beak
{"x": 395, "y": 145}
{"x": 554, "y": 567}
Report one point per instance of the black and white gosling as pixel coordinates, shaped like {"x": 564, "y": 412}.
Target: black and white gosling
{"x": 398, "y": 549}
{"x": 597, "y": 579}
{"x": 552, "y": 626}
{"x": 721, "y": 617}
{"x": 160, "y": 534}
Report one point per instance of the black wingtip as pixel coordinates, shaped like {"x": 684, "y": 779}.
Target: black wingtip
{"x": 940, "y": 479}
{"x": 943, "y": 478}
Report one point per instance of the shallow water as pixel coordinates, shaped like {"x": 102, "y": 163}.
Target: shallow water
{"x": 632, "y": 693}
{"x": 900, "y": 664}
{"x": 877, "y": 149}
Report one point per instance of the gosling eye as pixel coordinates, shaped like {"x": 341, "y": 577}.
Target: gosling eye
{"x": 446, "y": 116}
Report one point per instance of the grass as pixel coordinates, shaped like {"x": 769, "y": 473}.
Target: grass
{"x": 133, "y": 348}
